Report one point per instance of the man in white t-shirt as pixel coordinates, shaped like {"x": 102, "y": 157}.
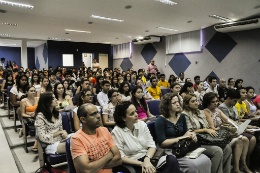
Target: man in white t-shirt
{"x": 95, "y": 65}
{"x": 213, "y": 84}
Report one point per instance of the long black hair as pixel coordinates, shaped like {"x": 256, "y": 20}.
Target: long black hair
{"x": 142, "y": 100}
{"x": 32, "y": 81}
{"x": 49, "y": 87}
{"x": 55, "y": 90}
{"x": 99, "y": 88}
{"x": 237, "y": 82}
{"x": 121, "y": 89}
{"x": 185, "y": 86}
{"x": 112, "y": 82}
{"x": 44, "y": 104}
{"x": 19, "y": 77}
{"x": 171, "y": 80}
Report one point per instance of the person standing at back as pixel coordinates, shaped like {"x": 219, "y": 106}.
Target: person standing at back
{"x": 181, "y": 79}
{"x": 152, "y": 68}
{"x": 95, "y": 65}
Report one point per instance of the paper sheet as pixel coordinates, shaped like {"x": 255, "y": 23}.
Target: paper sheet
{"x": 254, "y": 129}
{"x": 242, "y": 127}
{"x": 69, "y": 107}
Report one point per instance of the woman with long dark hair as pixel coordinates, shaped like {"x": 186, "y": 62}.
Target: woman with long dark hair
{"x": 62, "y": 99}
{"x": 9, "y": 66}
{"x": 48, "y": 124}
{"x": 35, "y": 81}
{"x": 186, "y": 89}
{"x": 170, "y": 80}
{"x": 114, "y": 83}
{"x": 8, "y": 81}
{"x": 124, "y": 92}
{"x": 46, "y": 86}
{"x": 140, "y": 104}
{"x": 238, "y": 83}
{"x": 97, "y": 88}
{"x": 67, "y": 88}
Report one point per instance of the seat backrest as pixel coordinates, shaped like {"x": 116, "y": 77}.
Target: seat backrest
{"x": 8, "y": 90}
{"x": 65, "y": 122}
{"x": 72, "y": 121}
{"x": 154, "y": 107}
{"x": 151, "y": 127}
{"x": 69, "y": 158}
{"x": 165, "y": 91}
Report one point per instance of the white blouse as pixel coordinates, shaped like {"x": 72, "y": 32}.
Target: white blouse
{"x": 109, "y": 110}
{"x": 128, "y": 98}
{"x": 133, "y": 145}
{"x": 15, "y": 92}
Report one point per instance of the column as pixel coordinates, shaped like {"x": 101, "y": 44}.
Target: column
{"x": 24, "y": 60}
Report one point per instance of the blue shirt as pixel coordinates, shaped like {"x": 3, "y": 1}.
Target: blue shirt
{"x": 167, "y": 130}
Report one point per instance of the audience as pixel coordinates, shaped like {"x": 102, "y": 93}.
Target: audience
{"x": 114, "y": 83}
{"x": 66, "y": 88}
{"x": 238, "y": 83}
{"x": 163, "y": 83}
{"x": 231, "y": 83}
{"x": 36, "y": 82}
{"x": 200, "y": 92}
{"x": 251, "y": 108}
{"x": 102, "y": 96}
{"x": 154, "y": 90}
{"x": 135, "y": 143}
{"x": 8, "y": 81}
{"x": 186, "y": 89}
{"x": 222, "y": 90}
{"x": 170, "y": 80}
{"x": 146, "y": 94}
{"x": 46, "y": 86}
{"x": 196, "y": 82}
{"x": 84, "y": 85}
{"x": 62, "y": 99}
{"x": 124, "y": 92}
{"x": 92, "y": 139}
{"x": 97, "y": 88}
{"x": 181, "y": 79}
{"x": 170, "y": 126}
{"x": 212, "y": 85}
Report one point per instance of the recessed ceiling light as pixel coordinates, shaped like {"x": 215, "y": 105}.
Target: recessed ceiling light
{"x": 10, "y": 24}
{"x": 106, "y": 18}
{"x": 17, "y": 4}
{"x": 51, "y": 38}
{"x": 6, "y": 35}
{"x": 168, "y": 2}
{"x": 166, "y": 28}
{"x": 72, "y": 30}
{"x": 221, "y": 18}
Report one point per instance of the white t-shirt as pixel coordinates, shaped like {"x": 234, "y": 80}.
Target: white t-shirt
{"x": 15, "y": 92}
{"x": 95, "y": 64}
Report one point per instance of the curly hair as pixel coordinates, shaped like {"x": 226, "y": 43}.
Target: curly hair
{"x": 207, "y": 98}
{"x": 165, "y": 102}
{"x": 120, "y": 113}
{"x": 186, "y": 101}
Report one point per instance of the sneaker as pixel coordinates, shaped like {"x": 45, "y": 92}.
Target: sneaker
{"x": 1, "y": 105}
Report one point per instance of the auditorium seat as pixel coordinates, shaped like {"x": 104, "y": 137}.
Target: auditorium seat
{"x": 165, "y": 91}
{"x": 154, "y": 107}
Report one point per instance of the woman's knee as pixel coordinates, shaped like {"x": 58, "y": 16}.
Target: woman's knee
{"x": 238, "y": 143}
{"x": 245, "y": 140}
{"x": 253, "y": 140}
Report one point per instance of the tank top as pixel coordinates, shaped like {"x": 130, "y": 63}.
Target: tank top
{"x": 216, "y": 118}
{"x": 8, "y": 84}
{"x": 252, "y": 107}
{"x": 31, "y": 108}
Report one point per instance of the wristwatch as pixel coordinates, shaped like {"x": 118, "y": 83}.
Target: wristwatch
{"x": 148, "y": 157}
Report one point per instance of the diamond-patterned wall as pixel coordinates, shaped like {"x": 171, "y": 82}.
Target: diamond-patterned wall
{"x": 179, "y": 63}
{"x": 213, "y": 74}
{"x": 148, "y": 52}
{"x": 220, "y": 45}
{"x": 126, "y": 64}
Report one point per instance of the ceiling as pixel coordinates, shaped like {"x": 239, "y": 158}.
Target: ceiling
{"x": 49, "y": 18}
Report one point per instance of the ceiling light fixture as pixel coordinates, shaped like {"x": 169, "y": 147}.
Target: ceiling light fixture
{"x": 72, "y": 30}
{"x": 168, "y": 2}
{"x": 50, "y": 38}
{"x": 133, "y": 37}
{"x": 159, "y": 27}
{"x": 5, "y": 35}
{"x": 106, "y": 18}
{"x": 220, "y": 18}
{"x": 106, "y": 42}
{"x": 16, "y": 4}
{"x": 10, "y": 24}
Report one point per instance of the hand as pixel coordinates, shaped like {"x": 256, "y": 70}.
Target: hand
{"x": 64, "y": 134}
{"x": 252, "y": 127}
{"x": 212, "y": 132}
{"x": 194, "y": 137}
{"x": 233, "y": 135}
{"x": 144, "y": 119}
{"x": 254, "y": 119}
{"x": 147, "y": 166}
{"x": 188, "y": 133}
{"x": 250, "y": 132}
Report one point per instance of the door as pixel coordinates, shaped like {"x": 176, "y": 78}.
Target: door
{"x": 103, "y": 61}
{"x": 87, "y": 59}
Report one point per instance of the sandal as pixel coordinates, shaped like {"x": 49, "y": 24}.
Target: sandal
{"x": 35, "y": 150}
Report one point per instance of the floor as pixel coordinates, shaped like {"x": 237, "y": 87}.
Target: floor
{"x": 13, "y": 158}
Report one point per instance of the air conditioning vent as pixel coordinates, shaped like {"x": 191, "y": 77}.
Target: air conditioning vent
{"x": 238, "y": 26}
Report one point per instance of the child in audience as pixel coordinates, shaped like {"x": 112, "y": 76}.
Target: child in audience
{"x": 135, "y": 142}
{"x": 170, "y": 126}
{"x": 46, "y": 86}
{"x": 62, "y": 99}
{"x": 215, "y": 117}
{"x": 124, "y": 92}
{"x": 140, "y": 104}
{"x": 102, "y": 96}
{"x": 200, "y": 92}
{"x": 186, "y": 89}
{"x": 197, "y": 122}
{"x": 154, "y": 90}
{"x": 97, "y": 88}
{"x": 28, "y": 107}
{"x": 36, "y": 82}
{"x": 163, "y": 83}
{"x": 109, "y": 109}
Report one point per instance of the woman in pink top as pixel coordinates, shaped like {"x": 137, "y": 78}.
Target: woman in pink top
{"x": 140, "y": 103}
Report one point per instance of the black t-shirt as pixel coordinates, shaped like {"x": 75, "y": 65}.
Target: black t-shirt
{"x": 222, "y": 92}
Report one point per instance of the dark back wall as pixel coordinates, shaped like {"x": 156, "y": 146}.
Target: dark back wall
{"x": 57, "y": 48}
{"x": 14, "y": 54}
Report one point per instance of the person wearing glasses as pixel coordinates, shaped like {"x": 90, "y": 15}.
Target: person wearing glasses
{"x": 92, "y": 147}
{"x": 109, "y": 109}
{"x": 86, "y": 96}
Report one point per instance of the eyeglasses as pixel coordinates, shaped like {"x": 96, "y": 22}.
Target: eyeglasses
{"x": 89, "y": 95}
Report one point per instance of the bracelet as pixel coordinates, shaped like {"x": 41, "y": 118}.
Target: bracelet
{"x": 148, "y": 157}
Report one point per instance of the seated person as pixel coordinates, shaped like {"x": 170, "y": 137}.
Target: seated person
{"x": 62, "y": 99}
{"x": 200, "y": 92}
{"x": 36, "y": 82}
{"x": 149, "y": 76}
{"x": 48, "y": 124}
{"x": 197, "y": 122}
{"x": 241, "y": 145}
{"x": 257, "y": 101}
{"x": 68, "y": 77}
{"x": 186, "y": 89}
{"x": 163, "y": 83}
{"x": 175, "y": 89}
{"x": 86, "y": 96}
{"x": 46, "y": 86}
{"x": 140, "y": 104}
{"x": 102, "y": 96}
{"x": 212, "y": 85}
{"x": 146, "y": 94}
{"x": 53, "y": 79}
{"x": 154, "y": 90}
{"x": 222, "y": 90}
{"x": 170, "y": 126}
{"x": 251, "y": 108}
{"x": 92, "y": 147}
{"x": 114, "y": 83}
{"x": 28, "y": 106}
{"x": 135, "y": 142}
{"x": 98, "y": 88}
{"x": 238, "y": 83}
{"x": 8, "y": 81}
{"x": 109, "y": 109}
{"x": 66, "y": 88}
{"x": 84, "y": 85}
{"x": 124, "y": 92}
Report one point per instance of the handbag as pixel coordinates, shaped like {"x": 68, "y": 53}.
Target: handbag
{"x": 221, "y": 140}
{"x": 157, "y": 155}
{"x": 181, "y": 148}
{"x": 229, "y": 127}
